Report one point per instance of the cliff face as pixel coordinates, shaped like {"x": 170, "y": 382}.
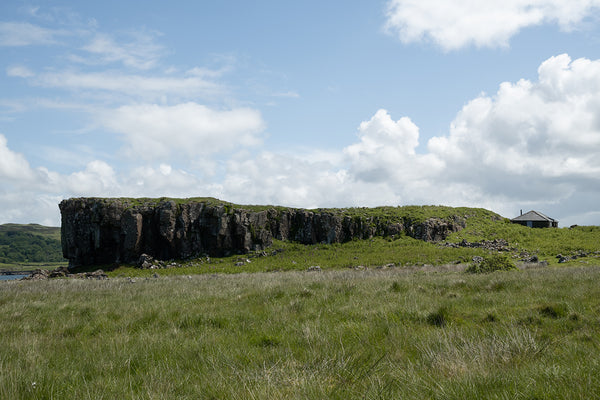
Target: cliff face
{"x": 105, "y": 231}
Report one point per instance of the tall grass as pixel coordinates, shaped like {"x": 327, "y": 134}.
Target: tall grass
{"x": 392, "y": 333}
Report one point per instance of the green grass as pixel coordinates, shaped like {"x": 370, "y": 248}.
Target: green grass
{"x": 31, "y": 266}
{"x": 394, "y": 333}
{"x": 287, "y": 256}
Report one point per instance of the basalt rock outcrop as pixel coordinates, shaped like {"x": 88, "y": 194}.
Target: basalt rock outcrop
{"x": 101, "y": 231}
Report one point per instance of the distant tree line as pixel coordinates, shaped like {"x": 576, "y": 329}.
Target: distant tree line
{"x": 27, "y": 247}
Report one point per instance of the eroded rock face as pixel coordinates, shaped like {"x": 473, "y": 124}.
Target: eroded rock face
{"x": 98, "y": 231}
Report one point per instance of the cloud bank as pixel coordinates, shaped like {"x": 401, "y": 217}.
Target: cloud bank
{"x": 532, "y": 144}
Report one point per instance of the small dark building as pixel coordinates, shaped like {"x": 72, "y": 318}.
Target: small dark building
{"x": 535, "y": 219}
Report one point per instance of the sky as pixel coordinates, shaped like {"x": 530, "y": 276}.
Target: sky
{"x": 486, "y": 103}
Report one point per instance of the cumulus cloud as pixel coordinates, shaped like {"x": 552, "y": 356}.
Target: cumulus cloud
{"x": 191, "y": 130}
{"x": 453, "y": 24}
{"x": 13, "y": 166}
{"x": 386, "y": 151}
{"x": 532, "y": 140}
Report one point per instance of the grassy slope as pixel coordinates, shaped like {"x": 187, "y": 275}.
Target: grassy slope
{"x": 337, "y": 334}
{"x": 35, "y": 229}
{"x": 46, "y": 232}
{"x": 403, "y": 250}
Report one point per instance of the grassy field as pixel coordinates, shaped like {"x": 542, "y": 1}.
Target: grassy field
{"x": 389, "y": 317}
{"x": 405, "y": 332}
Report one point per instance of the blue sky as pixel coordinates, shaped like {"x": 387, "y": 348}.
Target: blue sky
{"x": 306, "y": 104}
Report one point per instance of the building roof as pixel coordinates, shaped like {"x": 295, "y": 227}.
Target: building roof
{"x": 534, "y": 216}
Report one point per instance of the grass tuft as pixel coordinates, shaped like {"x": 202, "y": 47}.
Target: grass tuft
{"x": 438, "y": 318}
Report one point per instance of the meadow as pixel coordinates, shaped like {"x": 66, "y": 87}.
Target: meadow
{"x": 388, "y": 317}
{"x": 402, "y": 332}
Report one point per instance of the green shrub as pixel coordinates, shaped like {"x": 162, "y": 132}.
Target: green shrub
{"x": 495, "y": 262}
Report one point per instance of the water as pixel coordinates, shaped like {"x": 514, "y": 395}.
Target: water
{"x": 11, "y": 277}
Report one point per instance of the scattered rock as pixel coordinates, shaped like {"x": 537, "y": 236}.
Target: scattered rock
{"x": 314, "y": 268}
{"x": 492, "y": 245}
{"x": 145, "y": 261}
{"x": 63, "y": 272}
{"x": 60, "y": 272}
{"x": 98, "y": 274}
{"x": 38, "y": 275}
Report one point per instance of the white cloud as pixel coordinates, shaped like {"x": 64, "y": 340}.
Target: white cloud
{"x": 141, "y": 52}
{"x": 13, "y": 166}
{"x": 533, "y": 142}
{"x": 131, "y": 85}
{"x": 385, "y": 147}
{"x": 186, "y": 130}
{"x": 453, "y": 24}
{"x": 19, "y": 71}
{"x": 97, "y": 179}
{"x": 15, "y": 34}
{"x": 299, "y": 181}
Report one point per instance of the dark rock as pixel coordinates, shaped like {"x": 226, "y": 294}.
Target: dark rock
{"x": 63, "y": 272}
{"x": 38, "y": 275}
{"x": 60, "y": 272}
{"x": 97, "y": 231}
{"x": 145, "y": 261}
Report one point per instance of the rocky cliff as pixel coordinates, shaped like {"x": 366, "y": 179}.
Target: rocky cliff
{"x": 112, "y": 230}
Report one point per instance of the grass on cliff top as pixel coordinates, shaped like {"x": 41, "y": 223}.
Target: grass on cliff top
{"x": 349, "y": 334}
{"x": 415, "y": 214}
